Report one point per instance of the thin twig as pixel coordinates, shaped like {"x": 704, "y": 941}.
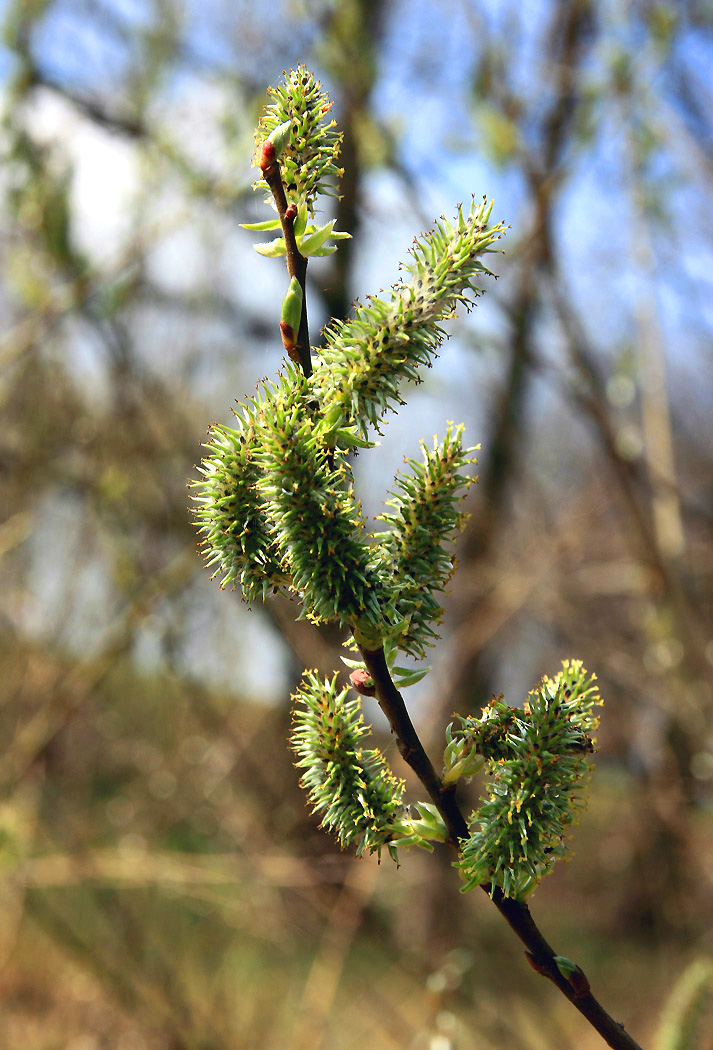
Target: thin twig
{"x": 296, "y": 263}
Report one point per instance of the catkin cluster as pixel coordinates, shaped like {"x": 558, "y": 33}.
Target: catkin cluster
{"x": 276, "y": 510}
{"x": 275, "y": 505}
{"x": 537, "y": 758}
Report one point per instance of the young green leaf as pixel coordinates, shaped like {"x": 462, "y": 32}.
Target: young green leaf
{"x": 261, "y": 227}
{"x": 271, "y": 249}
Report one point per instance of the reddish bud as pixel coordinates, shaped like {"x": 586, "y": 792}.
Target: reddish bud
{"x": 362, "y": 682}
{"x": 291, "y": 212}
{"x": 580, "y": 984}
{"x": 536, "y": 966}
{"x": 575, "y": 976}
{"x": 289, "y": 336}
{"x": 267, "y": 155}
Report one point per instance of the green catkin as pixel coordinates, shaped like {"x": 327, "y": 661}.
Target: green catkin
{"x": 236, "y": 534}
{"x": 537, "y": 758}
{"x": 351, "y": 788}
{"x": 308, "y": 160}
{"x": 423, "y": 519}
{"x": 366, "y": 358}
{"x": 316, "y": 520}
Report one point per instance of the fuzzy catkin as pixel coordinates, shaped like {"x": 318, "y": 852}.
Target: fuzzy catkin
{"x": 307, "y": 163}
{"x": 366, "y": 358}
{"x": 350, "y": 787}
{"x": 537, "y": 758}
{"x": 315, "y": 519}
{"x": 423, "y": 519}
{"x": 236, "y": 535}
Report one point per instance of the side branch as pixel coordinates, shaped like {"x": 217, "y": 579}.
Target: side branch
{"x": 539, "y": 953}
{"x": 296, "y": 262}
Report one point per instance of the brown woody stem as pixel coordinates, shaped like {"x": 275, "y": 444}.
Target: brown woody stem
{"x": 296, "y": 263}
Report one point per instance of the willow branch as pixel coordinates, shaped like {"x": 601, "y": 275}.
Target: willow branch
{"x": 571, "y": 981}
{"x": 539, "y": 953}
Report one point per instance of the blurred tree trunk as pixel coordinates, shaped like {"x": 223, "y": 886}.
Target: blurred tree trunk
{"x": 568, "y": 40}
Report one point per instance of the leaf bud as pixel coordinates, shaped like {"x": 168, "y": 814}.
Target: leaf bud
{"x": 268, "y": 156}
{"x": 538, "y": 967}
{"x": 291, "y": 314}
{"x": 289, "y": 337}
{"x": 575, "y": 975}
{"x": 362, "y": 682}
{"x": 280, "y": 137}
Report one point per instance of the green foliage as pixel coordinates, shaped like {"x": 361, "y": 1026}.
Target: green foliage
{"x": 401, "y": 676}
{"x": 311, "y": 239}
{"x": 292, "y": 306}
{"x": 536, "y": 758}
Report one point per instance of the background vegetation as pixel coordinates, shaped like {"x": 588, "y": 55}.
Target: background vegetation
{"x": 163, "y": 887}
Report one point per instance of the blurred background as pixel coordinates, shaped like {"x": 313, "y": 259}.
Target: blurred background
{"x": 163, "y": 886}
